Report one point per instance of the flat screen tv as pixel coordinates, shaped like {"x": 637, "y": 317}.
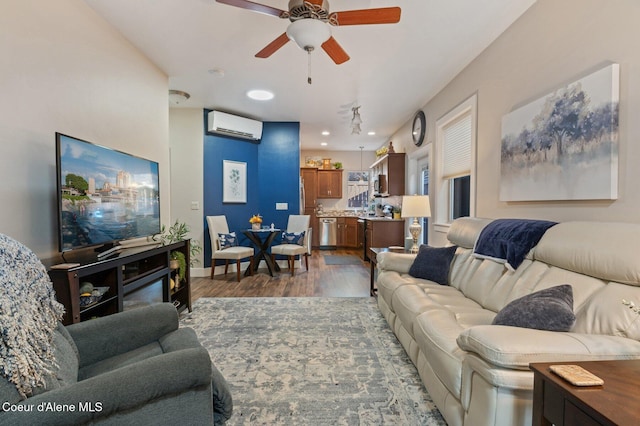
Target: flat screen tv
{"x": 104, "y": 195}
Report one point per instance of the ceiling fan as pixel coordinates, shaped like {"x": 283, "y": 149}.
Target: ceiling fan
{"x": 308, "y": 24}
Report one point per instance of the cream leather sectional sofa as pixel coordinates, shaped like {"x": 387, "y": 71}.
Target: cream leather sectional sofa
{"x": 477, "y": 373}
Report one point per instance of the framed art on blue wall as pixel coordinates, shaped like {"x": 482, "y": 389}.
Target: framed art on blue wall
{"x": 234, "y": 182}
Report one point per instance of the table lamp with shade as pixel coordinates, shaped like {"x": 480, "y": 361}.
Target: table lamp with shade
{"x": 415, "y": 206}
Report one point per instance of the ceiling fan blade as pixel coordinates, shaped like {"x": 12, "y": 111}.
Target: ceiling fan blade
{"x": 335, "y": 51}
{"x": 256, "y": 7}
{"x": 273, "y": 46}
{"x": 384, "y": 15}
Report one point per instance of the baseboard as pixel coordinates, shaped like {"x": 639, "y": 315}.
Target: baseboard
{"x": 200, "y": 272}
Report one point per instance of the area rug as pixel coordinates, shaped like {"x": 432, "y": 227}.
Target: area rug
{"x": 311, "y": 361}
{"x": 341, "y": 260}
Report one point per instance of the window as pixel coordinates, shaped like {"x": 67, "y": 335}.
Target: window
{"x": 423, "y": 188}
{"x": 460, "y": 197}
{"x": 357, "y": 189}
{"x": 455, "y": 142}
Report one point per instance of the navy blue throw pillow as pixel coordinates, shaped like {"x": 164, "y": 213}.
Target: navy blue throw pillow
{"x": 227, "y": 240}
{"x": 433, "y": 263}
{"x": 293, "y": 238}
{"x": 549, "y": 309}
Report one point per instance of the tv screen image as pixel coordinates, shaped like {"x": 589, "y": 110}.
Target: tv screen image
{"x": 104, "y": 195}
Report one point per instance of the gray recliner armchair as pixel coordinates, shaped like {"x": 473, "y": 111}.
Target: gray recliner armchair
{"x": 135, "y": 367}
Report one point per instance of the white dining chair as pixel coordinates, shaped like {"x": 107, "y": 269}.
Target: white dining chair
{"x": 217, "y": 226}
{"x": 296, "y": 223}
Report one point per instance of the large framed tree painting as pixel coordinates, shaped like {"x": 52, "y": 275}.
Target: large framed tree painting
{"x": 564, "y": 146}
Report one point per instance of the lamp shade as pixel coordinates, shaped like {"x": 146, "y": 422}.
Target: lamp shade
{"x": 308, "y": 33}
{"x": 416, "y": 206}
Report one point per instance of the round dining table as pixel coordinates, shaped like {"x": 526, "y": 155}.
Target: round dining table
{"x": 262, "y": 240}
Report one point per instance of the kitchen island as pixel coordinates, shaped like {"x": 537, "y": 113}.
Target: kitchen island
{"x": 355, "y": 230}
{"x": 382, "y": 232}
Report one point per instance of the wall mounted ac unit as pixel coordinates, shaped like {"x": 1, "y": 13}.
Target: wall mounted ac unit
{"x": 233, "y": 125}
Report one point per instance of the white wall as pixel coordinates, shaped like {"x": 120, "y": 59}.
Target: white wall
{"x": 65, "y": 69}
{"x": 186, "y": 136}
{"x": 553, "y": 43}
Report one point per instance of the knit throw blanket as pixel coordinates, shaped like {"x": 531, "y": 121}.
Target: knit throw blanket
{"x": 29, "y": 314}
{"x": 509, "y": 240}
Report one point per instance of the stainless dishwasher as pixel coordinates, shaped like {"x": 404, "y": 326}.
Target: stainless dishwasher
{"x": 328, "y": 232}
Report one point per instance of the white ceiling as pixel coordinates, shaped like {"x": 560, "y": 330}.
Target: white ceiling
{"x": 393, "y": 71}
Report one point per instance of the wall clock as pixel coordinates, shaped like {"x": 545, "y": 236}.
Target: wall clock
{"x": 419, "y": 128}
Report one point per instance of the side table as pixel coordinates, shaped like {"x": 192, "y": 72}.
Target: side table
{"x": 373, "y": 262}
{"x": 556, "y": 401}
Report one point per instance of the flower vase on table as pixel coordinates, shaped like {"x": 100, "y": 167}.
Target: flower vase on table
{"x": 256, "y": 222}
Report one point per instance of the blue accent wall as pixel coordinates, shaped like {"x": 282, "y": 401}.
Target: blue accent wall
{"x": 273, "y": 176}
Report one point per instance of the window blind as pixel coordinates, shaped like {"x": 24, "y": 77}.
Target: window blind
{"x": 457, "y": 148}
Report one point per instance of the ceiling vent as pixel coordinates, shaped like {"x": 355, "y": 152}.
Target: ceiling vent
{"x": 233, "y": 125}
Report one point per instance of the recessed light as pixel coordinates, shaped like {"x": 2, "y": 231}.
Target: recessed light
{"x": 324, "y": 144}
{"x": 326, "y": 133}
{"x": 260, "y": 95}
{"x": 371, "y": 133}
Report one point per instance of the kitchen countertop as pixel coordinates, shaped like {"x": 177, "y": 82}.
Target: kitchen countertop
{"x": 355, "y": 215}
{"x": 339, "y": 213}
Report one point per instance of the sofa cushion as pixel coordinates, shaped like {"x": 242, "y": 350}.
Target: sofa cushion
{"x": 180, "y": 339}
{"x": 436, "y": 330}
{"x": 549, "y": 309}
{"x": 464, "y": 231}
{"x": 575, "y": 246}
{"x": 433, "y": 263}
{"x": 516, "y": 348}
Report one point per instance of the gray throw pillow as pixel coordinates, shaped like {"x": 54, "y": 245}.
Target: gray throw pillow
{"x": 433, "y": 263}
{"x": 549, "y": 309}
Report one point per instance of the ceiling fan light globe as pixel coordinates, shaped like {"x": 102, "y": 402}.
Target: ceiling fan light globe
{"x": 176, "y": 97}
{"x": 308, "y": 33}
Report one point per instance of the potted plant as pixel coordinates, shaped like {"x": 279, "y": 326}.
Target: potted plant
{"x": 179, "y": 258}
{"x": 337, "y": 165}
{"x": 178, "y": 232}
{"x": 397, "y": 212}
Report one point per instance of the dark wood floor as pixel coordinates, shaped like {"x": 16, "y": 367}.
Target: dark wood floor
{"x": 320, "y": 281}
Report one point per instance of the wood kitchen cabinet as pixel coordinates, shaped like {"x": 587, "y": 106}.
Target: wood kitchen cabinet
{"x": 329, "y": 183}
{"x": 360, "y": 235}
{"x": 309, "y": 177}
{"x": 347, "y": 232}
{"x": 392, "y": 167}
{"x": 383, "y": 233}
{"x": 314, "y": 224}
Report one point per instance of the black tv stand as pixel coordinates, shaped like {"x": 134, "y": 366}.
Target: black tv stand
{"x": 124, "y": 272}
